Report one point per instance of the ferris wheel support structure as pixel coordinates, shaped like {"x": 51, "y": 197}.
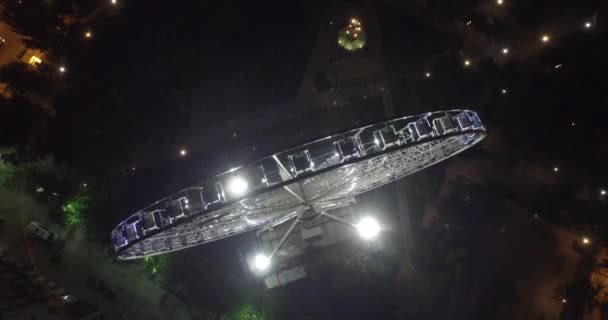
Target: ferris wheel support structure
{"x": 306, "y": 181}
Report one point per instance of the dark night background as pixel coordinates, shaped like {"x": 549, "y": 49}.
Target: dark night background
{"x": 223, "y": 80}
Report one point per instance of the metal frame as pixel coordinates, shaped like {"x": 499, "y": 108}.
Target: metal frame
{"x": 283, "y": 195}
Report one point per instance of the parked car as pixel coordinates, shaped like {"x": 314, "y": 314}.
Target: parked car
{"x": 39, "y": 230}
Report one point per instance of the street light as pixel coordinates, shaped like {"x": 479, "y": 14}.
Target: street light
{"x": 467, "y": 63}
{"x": 505, "y": 51}
{"x": 428, "y": 75}
{"x": 499, "y": 2}
{"x": 368, "y": 228}
{"x": 113, "y": 1}
{"x": 588, "y": 25}
{"x": 504, "y": 91}
{"x": 545, "y": 38}
{"x": 88, "y": 34}
{"x": 62, "y": 69}
{"x": 603, "y": 192}
{"x": 261, "y": 262}
{"x": 183, "y": 152}
{"x": 237, "y": 186}
{"x": 555, "y": 169}
{"x": 586, "y": 240}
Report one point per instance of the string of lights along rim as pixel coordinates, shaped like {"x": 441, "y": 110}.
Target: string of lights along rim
{"x": 317, "y": 176}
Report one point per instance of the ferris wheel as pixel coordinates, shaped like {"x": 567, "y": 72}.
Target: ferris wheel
{"x": 300, "y": 183}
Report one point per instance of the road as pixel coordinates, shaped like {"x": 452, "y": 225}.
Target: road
{"x": 12, "y": 45}
{"x": 138, "y": 297}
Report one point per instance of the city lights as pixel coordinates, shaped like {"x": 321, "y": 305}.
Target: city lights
{"x": 572, "y": 124}
{"x": 564, "y": 300}
{"x": 555, "y": 169}
{"x": 586, "y": 240}
{"x": 62, "y": 69}
{"x": 368, "y": 228}
{"x": 428, "y": 74}
{"x": 545, "y": 38}
{"x": 261, "y": 262}
{"x": 467, "y": 63}
{"x": 499, "y": 2}
{"x": 505, "y": 51}
{"x": 603, "y": 192}
{"x": 113, "y": 1}
{"x": 352, "y": 37}
{"x": 237, "y": 186}
{"x": 557, "y": 66}
{"x": 503, "y": 91}
{"x": 588, "y": 25}
{"x": 183, "y": 152}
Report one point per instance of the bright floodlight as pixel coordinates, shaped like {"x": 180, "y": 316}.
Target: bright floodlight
{"x": 368, "y": 228}
{"x": 237, "y": 186}
{"x": 261, "y": 262}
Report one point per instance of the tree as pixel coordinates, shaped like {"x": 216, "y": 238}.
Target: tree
{"x": 7, "y": 169}
{"x": 20, "y": 78}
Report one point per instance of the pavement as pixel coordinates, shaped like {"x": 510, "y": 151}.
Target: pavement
{"x": 137, "y": 296}
{"x": 12, "y": 46}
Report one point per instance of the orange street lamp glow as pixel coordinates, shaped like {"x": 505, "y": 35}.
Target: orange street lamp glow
{"x": 467, "y": 63}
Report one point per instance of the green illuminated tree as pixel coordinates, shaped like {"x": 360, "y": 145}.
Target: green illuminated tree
{"x": 7, "y": 170}
{"x": 157, "y": 267}
{"x": 74, "y": 209}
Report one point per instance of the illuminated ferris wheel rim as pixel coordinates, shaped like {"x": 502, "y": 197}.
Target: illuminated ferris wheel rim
{"x": 474, "y": 128}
